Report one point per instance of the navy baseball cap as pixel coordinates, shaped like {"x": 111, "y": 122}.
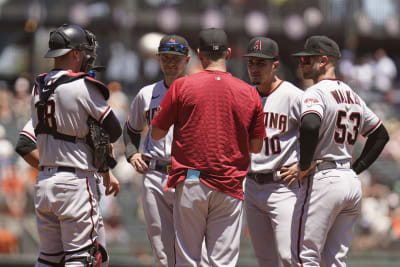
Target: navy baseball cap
{"x": 173, "y": 44}
{"x": 319, "y": 45}
{"x": 262, "y": 47}
{"x": 213, "y": 39}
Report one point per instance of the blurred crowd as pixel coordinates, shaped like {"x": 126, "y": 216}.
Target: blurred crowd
{"x": 374, "y": 76}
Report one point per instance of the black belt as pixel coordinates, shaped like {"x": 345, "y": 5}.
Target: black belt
{"x": 163, "y": 168}
{"x": 59, "y": 169}
{"x": 326, "y": 165}
{"x": 261, "y": 178}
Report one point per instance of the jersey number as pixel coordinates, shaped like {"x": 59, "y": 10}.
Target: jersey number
{"x": 48, "y": 118}
{"x": 342, "y": 133}
{"x": 272, "y": 145}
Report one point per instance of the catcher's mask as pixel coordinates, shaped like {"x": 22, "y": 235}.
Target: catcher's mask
{"x": 68, "y": 37}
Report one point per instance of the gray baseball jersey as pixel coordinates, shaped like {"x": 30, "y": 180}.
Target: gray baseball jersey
{"x": 282, "y": 119}
{"x": 68, "y": 108}
{"x": 143, "y": 108}
{"x": 344, "y": 115}
{"x": 269, "y": 206}
{"x": 330, "y": 199}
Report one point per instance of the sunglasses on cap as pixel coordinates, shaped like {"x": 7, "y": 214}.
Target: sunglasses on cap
{"x": 173, "y": 47}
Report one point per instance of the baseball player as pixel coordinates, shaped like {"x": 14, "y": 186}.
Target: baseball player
{"x": 62, "y": 101}
{"x": 333, "y": 116}
{"x": 27, "y": 149}
{"x": 154, "y": 161}
{"x": 217, "y": 120}
{"x": 269, "y": 202}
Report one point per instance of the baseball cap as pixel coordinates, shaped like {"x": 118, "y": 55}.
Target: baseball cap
{"x": 319, "y": 45}
{"x": 213, "y": 39}
{"x": 173, "y": 44}
{"x": 262, "y": 47}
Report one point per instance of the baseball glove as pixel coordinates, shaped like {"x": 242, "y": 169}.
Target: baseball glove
{"x": 99, "y": 140}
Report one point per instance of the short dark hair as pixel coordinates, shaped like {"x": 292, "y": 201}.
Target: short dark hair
{"x": 214, "y": 55}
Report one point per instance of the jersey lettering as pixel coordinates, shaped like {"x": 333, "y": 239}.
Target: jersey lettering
{"x": 342, "y": 133}
{"x": 273, "y": 120}
{"x": 346, "y": 97}
{"x": 276, "y": 121}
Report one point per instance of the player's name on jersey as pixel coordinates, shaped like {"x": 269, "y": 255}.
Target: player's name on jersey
{"x": 276, "y": 121}
{"x": 345, "y": 96}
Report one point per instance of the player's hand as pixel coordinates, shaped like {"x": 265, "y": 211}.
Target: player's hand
{"x": 289, "y": 174}
{"x": 304, "y": 173}
{"x": 111, "y": 183}
{"x": 138, "y": 163}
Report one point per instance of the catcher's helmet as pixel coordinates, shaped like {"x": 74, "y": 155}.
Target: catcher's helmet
{"x": 68, "y": 37}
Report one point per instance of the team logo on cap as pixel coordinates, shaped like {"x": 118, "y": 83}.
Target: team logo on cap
{"x": 257, "y": 45}
{"x": 172, "y": 41}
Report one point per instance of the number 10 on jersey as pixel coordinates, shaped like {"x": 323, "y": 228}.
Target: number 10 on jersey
{"x": 272, "y": 145}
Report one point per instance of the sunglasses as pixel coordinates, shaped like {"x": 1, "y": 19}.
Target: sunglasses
{"x": 173, "y": 47}
{"x": 306, "y": 60}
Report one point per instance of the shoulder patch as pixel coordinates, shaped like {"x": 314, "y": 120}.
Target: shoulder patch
{"x": 310, "y": 101}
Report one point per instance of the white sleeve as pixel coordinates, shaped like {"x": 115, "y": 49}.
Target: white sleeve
{"x": 312, "y": 102}
{"x": 137, "y": 117}
{"x": 295, "y": 108}
{"x": 28, "y": 131}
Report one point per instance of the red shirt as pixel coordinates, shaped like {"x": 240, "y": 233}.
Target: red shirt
{"x": 214, "y": 116}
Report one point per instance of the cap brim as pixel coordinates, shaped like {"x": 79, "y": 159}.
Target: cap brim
{"x": 259, "y": 55}
{"x": 57, "y": 52}
{"x": 172, "y": 53}
{"x": 305, "y": 54}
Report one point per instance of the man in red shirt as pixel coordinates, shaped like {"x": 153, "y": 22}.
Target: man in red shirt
{"x": 218, "y": 119}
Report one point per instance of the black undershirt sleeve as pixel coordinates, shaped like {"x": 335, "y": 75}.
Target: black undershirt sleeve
{"x": 112, "y": 127}
{"x": 132, "y": 142}
{"x": 373, "y": 147}
{"x": 309, "y": 135}
{"x": 25, "y": 145}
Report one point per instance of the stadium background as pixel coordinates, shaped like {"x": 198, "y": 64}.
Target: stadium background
{"x": 128, "y": 32}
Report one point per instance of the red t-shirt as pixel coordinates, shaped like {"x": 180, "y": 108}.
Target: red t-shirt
{"x": 214, "y": 116}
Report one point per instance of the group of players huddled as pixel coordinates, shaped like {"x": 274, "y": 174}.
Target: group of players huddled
{"x": 207, "y": 132}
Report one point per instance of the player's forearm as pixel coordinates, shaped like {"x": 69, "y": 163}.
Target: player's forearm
{"x": 32, "y": 158}
{"x": 373, "y": 147}
{"x": 132, "y": 142}
{"x": 309, "y": 133}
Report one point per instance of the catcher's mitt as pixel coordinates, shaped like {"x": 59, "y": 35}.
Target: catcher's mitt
{"x": 99, "y": 140}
